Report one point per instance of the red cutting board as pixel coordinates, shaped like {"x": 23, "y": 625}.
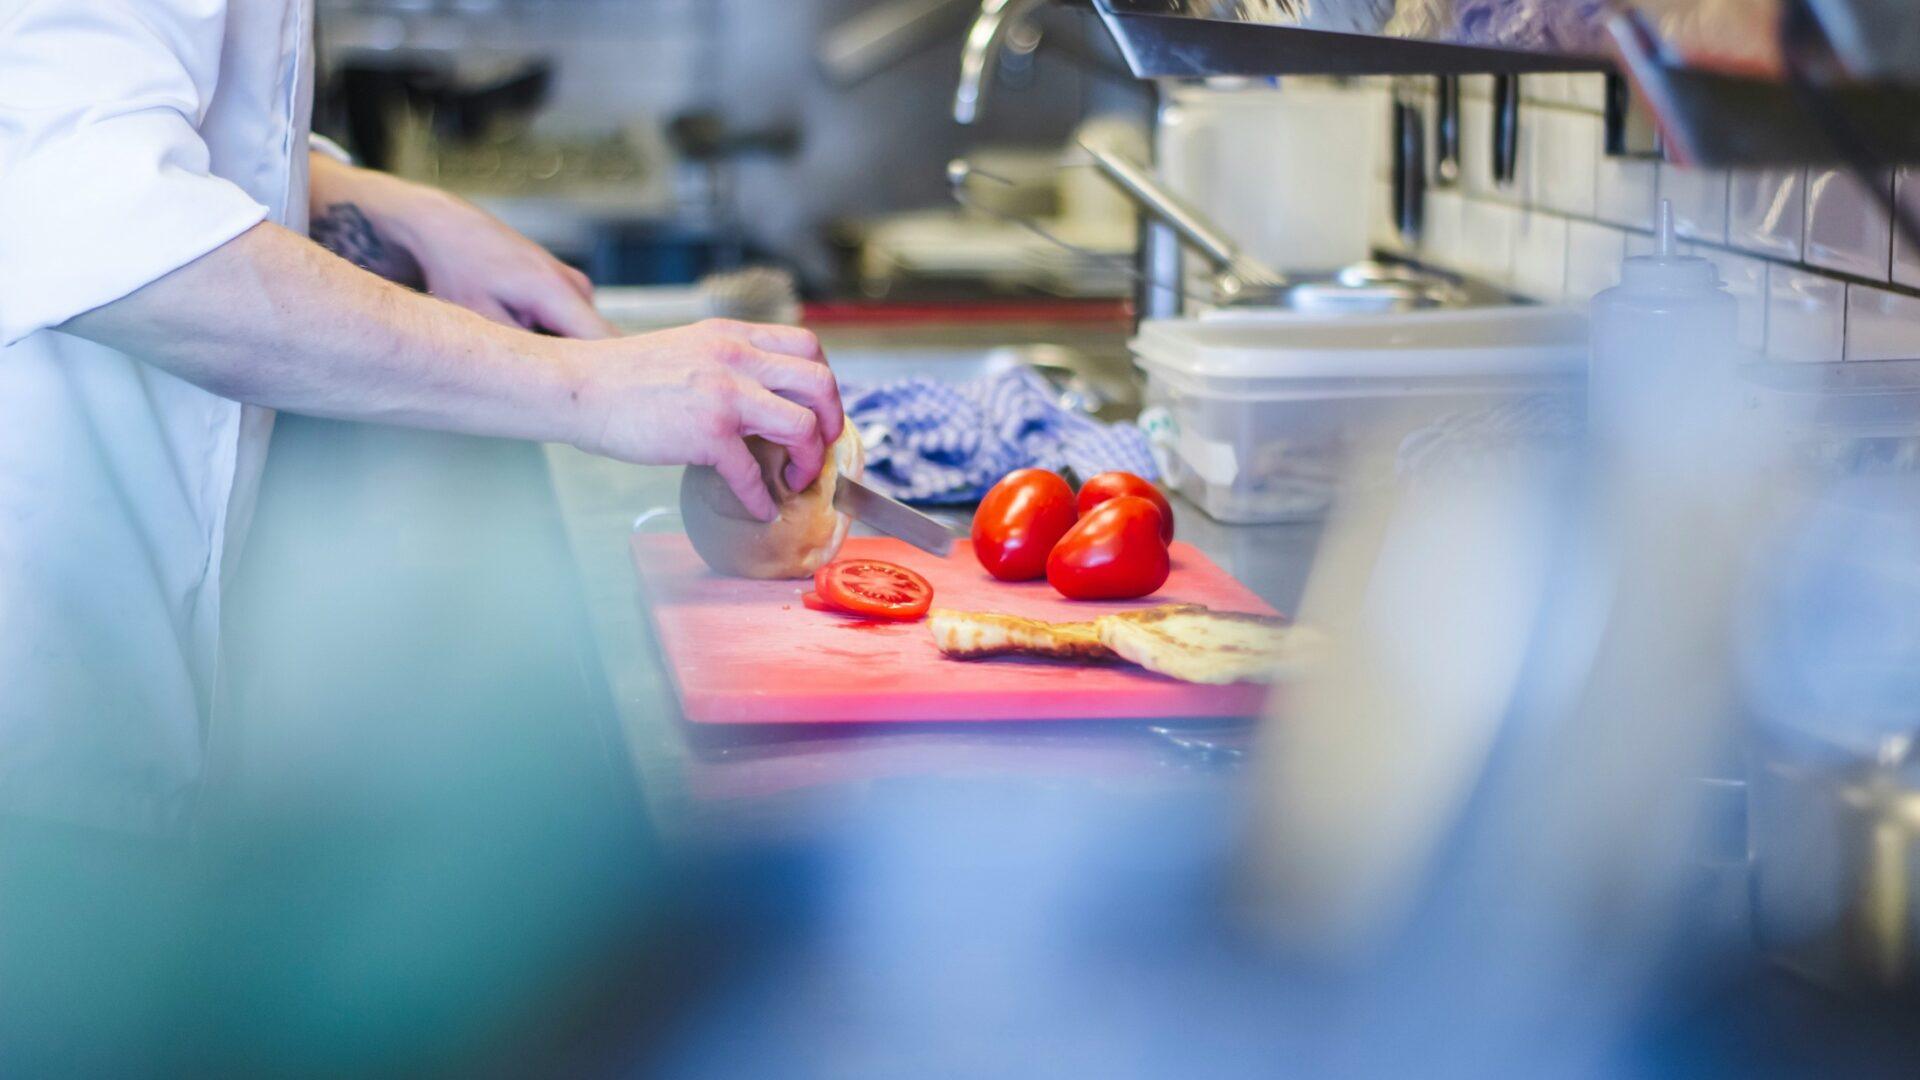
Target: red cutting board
{"x": 748, "y": 652}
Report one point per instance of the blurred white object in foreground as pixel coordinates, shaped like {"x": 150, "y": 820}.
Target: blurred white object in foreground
{"x": 1485, "y": 810}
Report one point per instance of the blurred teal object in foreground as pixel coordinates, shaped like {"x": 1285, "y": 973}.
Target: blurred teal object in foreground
{"x": 421, "y": 851}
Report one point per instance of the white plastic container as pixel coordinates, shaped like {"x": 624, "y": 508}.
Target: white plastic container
{"x": 1257, "y": 416}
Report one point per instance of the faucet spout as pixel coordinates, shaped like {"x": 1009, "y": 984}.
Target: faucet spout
{"x": 982, "y": 53}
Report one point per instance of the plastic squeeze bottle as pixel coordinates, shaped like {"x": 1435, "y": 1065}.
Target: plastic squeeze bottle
{"x": 1663, "y": 356}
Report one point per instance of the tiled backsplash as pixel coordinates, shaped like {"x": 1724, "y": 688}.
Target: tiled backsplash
{"x": 1807, "y": 253}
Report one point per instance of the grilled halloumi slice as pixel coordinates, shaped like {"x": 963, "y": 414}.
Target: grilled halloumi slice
{"x": 1195, "y": 644}
{"x": 976, "y": 635}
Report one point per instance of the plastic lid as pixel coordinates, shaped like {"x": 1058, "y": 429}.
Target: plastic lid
{"x": 1666, "y": 269}
{"x": 1446, "y": 343}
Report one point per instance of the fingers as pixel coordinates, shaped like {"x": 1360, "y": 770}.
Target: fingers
{"x": 792, "y": 341}
{"x": 563, "y": 311}
{"x": 489, "y": 308}
{"x": 810, "y": 384}
{"x": 736, "y": 465}
{"x": 581, "y": 283}
{"x": 776, "y": 419}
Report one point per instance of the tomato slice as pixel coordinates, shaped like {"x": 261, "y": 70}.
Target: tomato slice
{"x": 813, "y": 602}
{"x": 876, "y": 589}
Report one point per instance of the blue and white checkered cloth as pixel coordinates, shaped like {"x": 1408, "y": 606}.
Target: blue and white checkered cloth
{"x": 935, "y": 442}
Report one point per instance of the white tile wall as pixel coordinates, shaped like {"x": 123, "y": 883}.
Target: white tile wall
{"x": 1540, "y": 254}
{"x": 1906, "y": 261}
{"x": 1383, "y": 230}
{"x": 1486, "y": 246}
{"x": 1548, "y": 87}
{"x": 1791, "y": 245}
{"x": 1699, "y": 198}
{"x": 1440, "y": 231}
{"x": 1476, "y": 146}
{"x": 1806, "y": 316}
{"x": 1588, "y": 91}
{"x": 1766, "y": 211}
{"x": 1593, "y": 259}
{"x": 1882, "y": 325}
{"x": 1847, "y": 229}
{"x": 1626, "y": 192}
{"x": 1565, "y": 152}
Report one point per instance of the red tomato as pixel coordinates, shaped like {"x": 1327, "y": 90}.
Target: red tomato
{"x": 1114, "y": 553}
{"x": 813, "y": 602}
{"x": 1112, "y": 485}
{"x": 1019, "y": 521}
{"x": 876, "y": 589}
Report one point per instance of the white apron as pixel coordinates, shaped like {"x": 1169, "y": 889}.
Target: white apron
{"x": 134, "y": 138}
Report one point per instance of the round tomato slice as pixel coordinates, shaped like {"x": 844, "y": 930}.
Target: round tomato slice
{"x": 812, "y": 602}
{"x": 876, "y": 589}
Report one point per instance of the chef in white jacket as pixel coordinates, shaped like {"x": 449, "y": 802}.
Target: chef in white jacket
{"x": 159, "y": 296}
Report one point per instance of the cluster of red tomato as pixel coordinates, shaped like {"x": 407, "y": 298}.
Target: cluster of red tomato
{"x": 1107, "y": 543}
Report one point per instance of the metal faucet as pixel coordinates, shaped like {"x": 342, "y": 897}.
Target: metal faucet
{"x": 996, "y": 20}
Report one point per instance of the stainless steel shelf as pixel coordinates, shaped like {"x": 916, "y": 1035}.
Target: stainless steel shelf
{"x": 1201, "y": 38}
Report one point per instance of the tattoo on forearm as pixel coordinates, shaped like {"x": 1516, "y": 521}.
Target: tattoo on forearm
{"x": 345, "y": 231}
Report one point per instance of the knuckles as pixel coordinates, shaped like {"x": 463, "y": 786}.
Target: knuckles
{"x": 714, "y": 388}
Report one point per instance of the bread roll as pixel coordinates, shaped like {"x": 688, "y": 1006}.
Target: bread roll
{"x": 806, "y": 535}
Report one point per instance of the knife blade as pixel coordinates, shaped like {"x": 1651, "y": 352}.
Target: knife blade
{"x": 892, "y": 517}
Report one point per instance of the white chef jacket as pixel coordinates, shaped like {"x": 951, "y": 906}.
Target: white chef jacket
{"x": 134, "y": 138}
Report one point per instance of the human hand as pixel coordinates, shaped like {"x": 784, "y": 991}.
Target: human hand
{"x": 451, "y": 248}
{"x": 693, "y": 394}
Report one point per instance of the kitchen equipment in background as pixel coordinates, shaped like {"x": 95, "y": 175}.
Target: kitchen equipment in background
{"x": 1081, "y": 246}
{"x": 1831, "y": 670}
{"x": 1446, "y": 131}
{"x": 462, "y": 108}
{"x": 1286, "y": 172}
{"x": 756, "y": 294}
{"x": 1239, "y": 281}
{"x": 1237, "y": 276}
{"x": 898, "y": 520}
{"x": 1506, "y": 128}
{"x": 886, "y": 34}
{"x": 747, "y": 652}
{"x": 1254, "y": 414}
{"x": 1409, "y": 169}
{"x": 1001, "y": 24}
{"x": 1835, "y": 852}
{"x": 600, "y": 196}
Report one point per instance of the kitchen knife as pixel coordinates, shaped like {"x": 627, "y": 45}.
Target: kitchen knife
{"x": 892, "y": 517}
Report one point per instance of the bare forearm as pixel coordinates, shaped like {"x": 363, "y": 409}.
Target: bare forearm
{"x": 437, "y": 242}
{"x": 339, "y": 222}
{"x": 270, "y": 318}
